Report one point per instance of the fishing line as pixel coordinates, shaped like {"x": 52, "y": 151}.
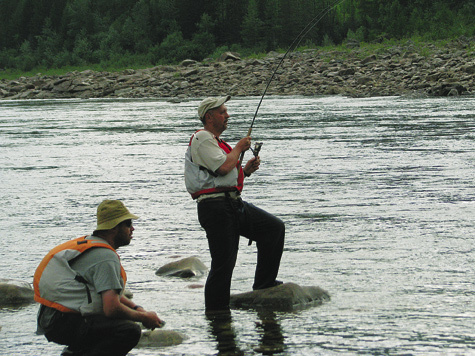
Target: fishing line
{"x": 295, "y": 43}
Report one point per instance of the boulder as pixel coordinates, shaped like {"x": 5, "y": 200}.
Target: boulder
{"x": 447, "y": 89}
{"x": 184, "y": 268}
{"x": 233, "y": 56}
{"x": 352, "y": 43}
{"x": 62, "y": 85}
{"x": 453, "y": 92}
{"x": 14, "y": 292}
{"x": 469, "y": 68}
{"x": 285, "y": 297}
{"x": 160, "y": 338}
{"x": 188, "y": 62}
{"x": 346, "y": 71}
{"x": 369, "y": 59}
{"x": 128, "y": 293}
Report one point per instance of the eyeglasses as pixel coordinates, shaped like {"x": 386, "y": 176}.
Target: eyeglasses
{"x": 127, "y": 223}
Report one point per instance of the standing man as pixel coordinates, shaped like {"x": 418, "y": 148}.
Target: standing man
{"x": 214, "y": 177}
{"x": 80, "y": 286}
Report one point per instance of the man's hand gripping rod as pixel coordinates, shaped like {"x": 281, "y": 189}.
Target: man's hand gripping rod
{"x": 255, "y": 151}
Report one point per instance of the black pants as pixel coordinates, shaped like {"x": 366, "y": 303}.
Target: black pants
{"x": 93, "y": 335}
{"x": 225, "y": 220}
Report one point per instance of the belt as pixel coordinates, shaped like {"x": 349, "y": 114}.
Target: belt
{"x": 219, "y": 196}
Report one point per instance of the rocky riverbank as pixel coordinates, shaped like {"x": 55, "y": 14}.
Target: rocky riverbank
{"x": 404, "y": 69}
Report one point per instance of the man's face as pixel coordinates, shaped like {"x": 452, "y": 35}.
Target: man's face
{"x": 218, "y": 118}
{"x": 124, "y": 233}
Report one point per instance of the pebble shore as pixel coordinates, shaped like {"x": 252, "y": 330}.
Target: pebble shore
{"x": 422, "y": 70}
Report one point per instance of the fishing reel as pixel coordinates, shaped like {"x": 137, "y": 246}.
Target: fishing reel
{"x": 257, "y": 148}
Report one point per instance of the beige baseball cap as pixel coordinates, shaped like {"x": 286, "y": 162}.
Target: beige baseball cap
{"x": 211, "y": 103}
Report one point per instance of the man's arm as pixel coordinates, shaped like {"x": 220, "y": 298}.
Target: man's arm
{"x": 232, "y": 157}
{"x": 120, "y": 307}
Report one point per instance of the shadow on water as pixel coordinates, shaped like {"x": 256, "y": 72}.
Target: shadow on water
{"x": 271, "y": 338}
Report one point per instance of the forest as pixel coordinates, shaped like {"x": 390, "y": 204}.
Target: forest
{"x": 120, "y": 33}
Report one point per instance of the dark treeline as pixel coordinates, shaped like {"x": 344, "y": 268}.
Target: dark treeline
{"x": 118, "y": 33}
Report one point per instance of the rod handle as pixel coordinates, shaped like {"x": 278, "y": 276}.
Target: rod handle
{"x": 242, "y": 153}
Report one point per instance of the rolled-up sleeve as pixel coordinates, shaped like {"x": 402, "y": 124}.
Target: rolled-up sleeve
{"x": 206, "y": 152}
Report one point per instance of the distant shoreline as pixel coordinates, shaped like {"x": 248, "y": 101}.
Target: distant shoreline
{"x": 388, "y": 70}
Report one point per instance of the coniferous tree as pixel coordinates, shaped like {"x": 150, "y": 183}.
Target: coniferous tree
{"x": 70, "y": 32}
{"x": 252, "y": 27}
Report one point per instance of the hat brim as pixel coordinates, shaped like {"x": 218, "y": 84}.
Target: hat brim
{"x": 221, "y": 101}
{"x": 113, "y": 223}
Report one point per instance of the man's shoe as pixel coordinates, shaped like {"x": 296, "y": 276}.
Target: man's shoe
{"x": 68, "y": 352}
{"x": 275, "y": 284}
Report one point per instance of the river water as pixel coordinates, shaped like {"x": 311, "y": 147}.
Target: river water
{"x": 377, "y": 195}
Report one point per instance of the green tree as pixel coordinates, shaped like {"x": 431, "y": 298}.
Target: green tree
{"x": 203, "y": 41}
{"x": 393, "y": 18}
{"x": 252, "y": 27}
{"x": 173, "y": 49}
{"x": 82, "y": 52}
{"x": 271, "y": 24}
{"x": 48, "y": 45}
{"x": 26, "y": 59}
{"x": 229, "y": 15}
{"x": 189, "y": 13}
{"x": 109, "y": 45}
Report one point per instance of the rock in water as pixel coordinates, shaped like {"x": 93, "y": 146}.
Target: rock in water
{"x": 14, "y": 292}
{"x": 285, "y": 297}
{"x": 185, "y": 268}
{"x": 160, "y": 338}
{"x": 128, "y": 293}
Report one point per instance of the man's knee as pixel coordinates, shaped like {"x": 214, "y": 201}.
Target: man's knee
{"x": 130, "y": 332}
{"x": 281, "y": 227}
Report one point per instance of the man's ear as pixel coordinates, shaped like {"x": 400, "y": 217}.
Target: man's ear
{"x": 205, "y": 118}
{"x": 115, "y": 229}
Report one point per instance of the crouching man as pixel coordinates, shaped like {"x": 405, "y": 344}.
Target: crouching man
{"x": 80, "y": 286}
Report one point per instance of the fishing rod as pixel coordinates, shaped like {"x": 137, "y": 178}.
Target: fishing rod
{"x": 295, "y": 43}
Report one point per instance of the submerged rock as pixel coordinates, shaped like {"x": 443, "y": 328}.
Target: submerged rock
{"x": 160, "y": 338}
{"x": 285, "y": 297}
{"x": 15, "y": 292}
{"x": 185, "y": 268}
{"x": 128, "y": 293}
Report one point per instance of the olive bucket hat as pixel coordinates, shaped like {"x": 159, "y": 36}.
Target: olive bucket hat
{"x": 111, "y": 213}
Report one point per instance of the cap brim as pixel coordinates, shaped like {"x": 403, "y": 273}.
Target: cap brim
{"x": 113, "y": 223}
{"x": 222, "y": 100}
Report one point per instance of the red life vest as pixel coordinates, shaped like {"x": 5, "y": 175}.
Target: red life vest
{"x": 215, "y": 187}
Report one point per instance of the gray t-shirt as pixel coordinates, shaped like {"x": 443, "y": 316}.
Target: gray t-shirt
{"x": 101, "y": 268}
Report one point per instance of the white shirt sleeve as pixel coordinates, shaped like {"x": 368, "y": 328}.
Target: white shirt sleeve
{"x": 206, "y": 152}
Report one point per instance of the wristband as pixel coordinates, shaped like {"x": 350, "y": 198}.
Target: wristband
{"x": 136, "y": 307}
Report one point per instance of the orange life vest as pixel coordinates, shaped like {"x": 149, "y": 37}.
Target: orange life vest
{"x": 57, "y": 285}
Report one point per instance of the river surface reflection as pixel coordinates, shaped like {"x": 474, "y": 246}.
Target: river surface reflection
{"x": 377, "y": 194}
